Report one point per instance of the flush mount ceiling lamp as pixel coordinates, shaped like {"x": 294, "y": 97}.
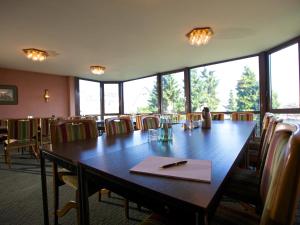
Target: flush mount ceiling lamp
{"x": 200, "y": 35}
{"x": 97, "y": 69}
{"x": 35, "y": 54}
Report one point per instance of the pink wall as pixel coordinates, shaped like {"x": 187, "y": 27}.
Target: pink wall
{"x": 31, "y": 86}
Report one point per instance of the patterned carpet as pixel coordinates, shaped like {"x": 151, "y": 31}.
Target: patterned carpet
{"x": 21, "y": 198}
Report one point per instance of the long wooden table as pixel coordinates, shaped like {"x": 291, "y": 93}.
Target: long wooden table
{"x": 109, "y": 160}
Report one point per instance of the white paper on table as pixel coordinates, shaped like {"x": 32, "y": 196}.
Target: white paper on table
{"x": 194, "y": 169}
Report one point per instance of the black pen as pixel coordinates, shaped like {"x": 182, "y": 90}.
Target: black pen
{"x": 179, "y": 163}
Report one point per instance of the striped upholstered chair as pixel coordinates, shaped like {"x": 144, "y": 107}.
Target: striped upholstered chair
{"x": 21, "y": 133}
{"x": 255, "y": 145}
{"x": 63, "y": 131}
{"x": 45, "y": 134}
{"x": 116, "y": 126}
{"x": 194, "y": 116}
{"x": 279, "y": 189}
{"x": 243, "y": 184}
{"x": 243, "y": 116}
{"x": 217, "y": 116}
{"x": 150, "y": 122}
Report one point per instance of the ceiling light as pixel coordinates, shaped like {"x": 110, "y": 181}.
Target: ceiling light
{"x": 97, "y": 69}
{"x": 35, "y": 54}
{"x": 200, "y": 35}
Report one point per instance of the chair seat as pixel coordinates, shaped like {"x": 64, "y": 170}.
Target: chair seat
{"x": 227, "y": 213}
{"x": 233, "y": 213}
{"x": 19, "y": 143}
{"x": 68, "y": 178}
{"x": 243, "y": 185}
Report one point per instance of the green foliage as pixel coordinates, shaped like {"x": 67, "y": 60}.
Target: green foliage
{"x": 231, "y": 107}
{"x": 275, "y": 101}
{"x": 152, "y": 102}
{"x": 173, "y": 98}
{"x": 203, "y": 90}
{"x": 247, "y": 92}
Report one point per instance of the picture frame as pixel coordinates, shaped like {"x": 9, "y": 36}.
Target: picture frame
{"x": 8, "y": 95}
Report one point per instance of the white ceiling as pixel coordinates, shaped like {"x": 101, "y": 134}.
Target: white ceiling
{"x": 135, "y": 38}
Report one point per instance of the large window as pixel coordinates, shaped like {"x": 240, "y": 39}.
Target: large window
{"x": 173, "y": 95}
{"x": 111, "y": 98}
{"x": 89, "y": 97}
{"x": 284, "y": 78}
{"x": 140, "y": 96}
{"x": 226, "y": 87}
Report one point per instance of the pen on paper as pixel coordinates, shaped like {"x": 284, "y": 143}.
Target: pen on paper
{"x": 179, "y": 163}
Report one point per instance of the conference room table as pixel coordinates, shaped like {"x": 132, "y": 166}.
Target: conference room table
{"x": 108, "y": 160}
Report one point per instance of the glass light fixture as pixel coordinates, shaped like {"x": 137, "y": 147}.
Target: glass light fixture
{"x": 97, "y": 69}
{"x": 46, "y": 95}
{"x": 200, "y": 35}
{"x": 35, "y": 54}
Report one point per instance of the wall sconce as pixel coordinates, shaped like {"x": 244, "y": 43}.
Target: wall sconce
{"x": 46, "y": 95}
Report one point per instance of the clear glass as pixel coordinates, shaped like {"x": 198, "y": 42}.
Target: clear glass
{"x": 140, "y": 96}
{"x": 89, "y": 97}
{"x": 173, "y": 96}
{"x": 284, "y": 76}
{"x": 226, "y": 87}
{"x": 111, "y": 98}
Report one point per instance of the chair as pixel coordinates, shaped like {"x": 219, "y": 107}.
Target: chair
{"x": 194, "y": 116}
{"x": 243, "y": 183}
{"x": 63, "y": 131}
{"x": 21, "y": 133}
{"x": 116, "y": 126}
{"x": 256, "y": 144}
{"x": 150, "y": 122}
{"x": 279, "y": 190}
{"x": 45, "y": 134}
{"x": 242, "y": 116}
{"x": 217, "y": 116}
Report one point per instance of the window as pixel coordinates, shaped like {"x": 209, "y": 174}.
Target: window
{"x": 89, "y": 97}
{"x": 226, "y": 87}
{"x": 173, "y": 96}
{"x": 284, "y": 78}
{"x": 111, "y": 98}
{"x": 140, "y": 96}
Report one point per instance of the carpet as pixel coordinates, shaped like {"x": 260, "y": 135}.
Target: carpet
{"x": 21, "y": 197}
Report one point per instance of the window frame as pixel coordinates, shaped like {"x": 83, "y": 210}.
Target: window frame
{"x": 269, "y": 85}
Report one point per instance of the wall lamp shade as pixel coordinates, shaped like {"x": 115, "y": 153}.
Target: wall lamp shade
{"x": 46, "y": 95}
{"x": 200, "y": 35}
{"x": 98, "y": 70}
{"x": 35, "y": 54}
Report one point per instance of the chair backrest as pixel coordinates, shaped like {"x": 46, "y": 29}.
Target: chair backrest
{"x": 242, "y": 116}
{"x": 217, "y": 116}
{"x": 115, "y": 126}
{"x": 280, "y": 188}
{"x": 63, "y": 131}
{"x": 265, "y": 145}
{"x": 194, "y": 116}
{"x": 22, "y": 129}
{"x": 138, "y": 121}
{"x": 150, "y": 122}
{"x": 44, "y": 125}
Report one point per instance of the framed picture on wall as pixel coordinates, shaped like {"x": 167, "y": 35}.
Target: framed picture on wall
{"x": 8, "y": 95}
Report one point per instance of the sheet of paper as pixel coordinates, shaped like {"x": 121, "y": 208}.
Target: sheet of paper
{"x": 196, "y": 170}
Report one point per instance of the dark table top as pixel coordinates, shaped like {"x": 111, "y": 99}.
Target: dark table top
{"x": 222, "y": 144}
{"x": 82, "y": 150}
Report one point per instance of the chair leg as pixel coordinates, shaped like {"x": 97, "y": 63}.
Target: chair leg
{"x": 7, "y": 157}
{"x": 126, "y": 207}
{"x": 77, "y": 207}
{"x": 99, "y": 196}
{"x": 56, "y": 193}
{"x": 139, "y": 207}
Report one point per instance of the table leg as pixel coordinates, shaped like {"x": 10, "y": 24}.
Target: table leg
{"x": 44, "y": 189}
{"x": 83, "y": 196}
